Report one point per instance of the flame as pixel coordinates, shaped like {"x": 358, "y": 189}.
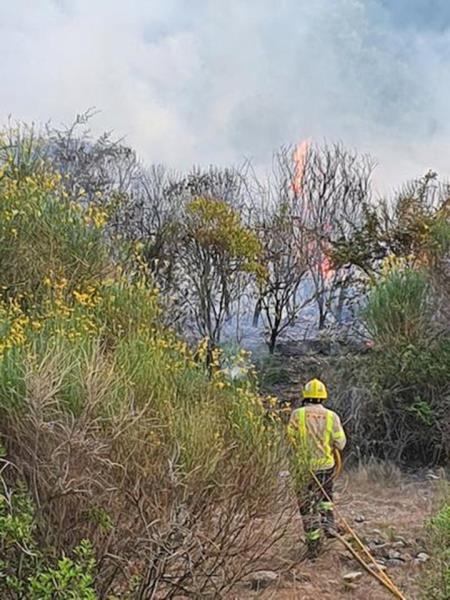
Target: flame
{"x": 321, "y": 260}
{"x": 326, "y": 268}
{"x": 299, "y": 155}
{"x": 324, "y": 264}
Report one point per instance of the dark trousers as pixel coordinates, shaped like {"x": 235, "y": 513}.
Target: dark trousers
{"x": 316, "y": 508}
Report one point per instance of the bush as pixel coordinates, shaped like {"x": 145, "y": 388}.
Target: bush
{"x": 437, "y": 581}
{"x": 118, "y": 430}
{"x": 26, "y": 571}
{"x": 398, "y": 309}
{"x": 44, "y": 235}
{"x": 395, "y": 397}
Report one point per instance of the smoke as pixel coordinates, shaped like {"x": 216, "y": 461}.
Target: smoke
{"x": 209, "y": 81}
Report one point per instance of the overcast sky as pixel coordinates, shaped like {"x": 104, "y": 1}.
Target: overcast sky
{"x": 202, "y": 81}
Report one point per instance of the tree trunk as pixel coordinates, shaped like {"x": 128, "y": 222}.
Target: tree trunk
{"x": 272, "y": 341}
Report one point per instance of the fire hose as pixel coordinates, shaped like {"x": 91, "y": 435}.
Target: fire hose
{"x": 337, "y": 463}
{"x": 371, "y": 566}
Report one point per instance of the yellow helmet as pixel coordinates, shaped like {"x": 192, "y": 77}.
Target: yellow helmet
{"x": 315, "y": 389}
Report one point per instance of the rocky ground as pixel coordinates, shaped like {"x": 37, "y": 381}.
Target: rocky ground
{"x": 388, "y": 511}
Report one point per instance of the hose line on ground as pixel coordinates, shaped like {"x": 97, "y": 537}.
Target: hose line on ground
{"x": 379, "y": 574}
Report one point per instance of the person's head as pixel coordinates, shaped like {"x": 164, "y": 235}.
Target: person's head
{"x": 315, "y": 392}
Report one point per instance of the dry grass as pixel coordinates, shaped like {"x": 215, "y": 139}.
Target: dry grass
{"x": 182, "y": 519}
{"x": 376, "y": 471}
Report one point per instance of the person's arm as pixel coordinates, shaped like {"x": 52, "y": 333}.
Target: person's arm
{"x": 338, "y": 438}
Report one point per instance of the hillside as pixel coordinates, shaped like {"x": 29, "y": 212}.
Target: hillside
{"x": 143, "y": 455}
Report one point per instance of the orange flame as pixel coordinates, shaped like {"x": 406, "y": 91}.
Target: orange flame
{"x": 300, "y": 154}
{"x": 326, "y": 268}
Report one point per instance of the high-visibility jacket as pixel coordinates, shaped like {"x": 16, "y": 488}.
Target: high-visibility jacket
{"x": 316, "y": 431}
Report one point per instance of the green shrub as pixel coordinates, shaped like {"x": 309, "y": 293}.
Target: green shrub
{"x": 114, "y": 425}
{"x": 437, "y": 581}
{"x": 397, "y": 311}
{"x": 405, "y": 376}
{"x": 409, "y": 387}
{"x": 46, "y": 237}
{"x": 28, "y": 570}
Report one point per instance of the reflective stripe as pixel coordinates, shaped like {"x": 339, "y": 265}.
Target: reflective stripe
{"x": 328, "y": 437}
{"x": 330, "y": 419}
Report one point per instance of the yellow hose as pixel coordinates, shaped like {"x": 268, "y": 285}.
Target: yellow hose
{"x": 385, "y": 581}
{"x": 337, "y": 463}
{"x": 378, "y": 573}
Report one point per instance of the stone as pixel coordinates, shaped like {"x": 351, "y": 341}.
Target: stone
{"x": 352, "y": 576}
{"x": 394, "y": 555}
{"x": 262, "y": 579}
{"x": 395, "y": 562}
{"x": 360, "y": 519}
{"x": 422, "y": 557}
{"x": 376, "y": 547}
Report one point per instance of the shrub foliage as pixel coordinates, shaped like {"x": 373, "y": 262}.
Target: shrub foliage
{"x": 117, "y": 431}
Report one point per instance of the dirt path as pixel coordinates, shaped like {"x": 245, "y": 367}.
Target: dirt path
{"x": 389, "y": 515}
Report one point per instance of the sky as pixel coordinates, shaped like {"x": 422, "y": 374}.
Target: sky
{"x": 216, "y": 81}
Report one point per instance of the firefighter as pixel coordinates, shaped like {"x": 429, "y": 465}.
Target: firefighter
{"x": 315, "y": 433}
